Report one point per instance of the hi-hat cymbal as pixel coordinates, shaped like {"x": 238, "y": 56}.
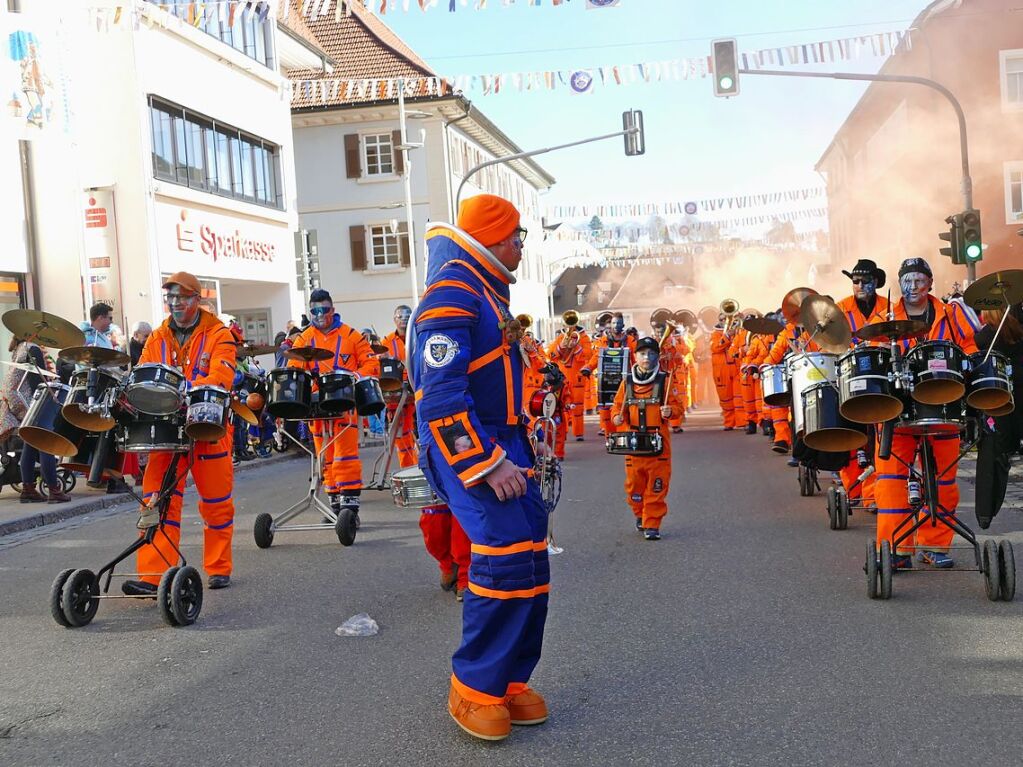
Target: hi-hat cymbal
{"x": 995, "y": 290}
{"x": 793, "y": 300}
{"x": 255, "y": 350}
{"x": 95, "y": 356}
{"x": 894, "y": 330}
{"x": 762, "y": 326}
{"x": 308, "y": 354}
{"x": 826, "y": 323}
{"x": 379, "y": 348}
{"x": 43, "y": 328}
{"x": 29, "y": 368}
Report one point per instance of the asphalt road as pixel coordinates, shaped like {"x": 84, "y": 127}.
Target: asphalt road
{"x": 743, "y": 637}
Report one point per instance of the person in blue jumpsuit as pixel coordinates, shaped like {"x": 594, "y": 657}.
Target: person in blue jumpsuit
{"x": 474, "y": 449}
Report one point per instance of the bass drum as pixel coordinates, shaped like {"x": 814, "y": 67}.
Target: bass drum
{"x": 825, "y": 428}
{"x": 920, "y": 419}
{"x": 45, "y": 427}
{"x": 369, "y": 399}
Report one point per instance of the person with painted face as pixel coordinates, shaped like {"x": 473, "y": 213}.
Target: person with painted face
{"x": 351, "y": 353}
{"x": 647, "y": 478}
{"x": 945, "y": 322}
{"x": 195, "y": 342}
{"x": 614, "y": 337}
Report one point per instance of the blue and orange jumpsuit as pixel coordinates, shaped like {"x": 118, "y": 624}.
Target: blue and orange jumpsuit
{"x": 351, "y": 353}
{"x": 207, "y": 359}
{"x": 950, "y": 324}
{"x": 468, "y": 383}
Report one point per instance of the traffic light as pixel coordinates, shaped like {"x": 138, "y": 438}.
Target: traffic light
{"x": 635, "y": 139}
{"x": 953, "y": 238}
{"x": 725, "y": 60}
{"x": 972, "y": 246}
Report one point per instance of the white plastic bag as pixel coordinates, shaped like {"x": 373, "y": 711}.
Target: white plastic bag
{"x": 360, "y": 625}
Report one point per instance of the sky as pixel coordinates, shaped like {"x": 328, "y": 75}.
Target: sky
{"x": 767, "y": 138}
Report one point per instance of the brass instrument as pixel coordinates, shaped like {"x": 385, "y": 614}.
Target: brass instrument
{"x": 686, "y": 319}
{"x": 666, "y": 318}
{"x": 604, "y": 318}
{"x": 570, "y": 318}
{"x": 730, "y": 308}
{"x": 708, "y": 316}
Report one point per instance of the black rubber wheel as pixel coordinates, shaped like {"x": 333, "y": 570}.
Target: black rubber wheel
{"x": 811, "y": 483}
{"x": 56, "y": 608}
{"x": 832, "y": 502}
{"x": 79, "y": 598}
{"x": 885, "y": 571}
{"x": 68, "y": 480}
{"x": 1007, "y": 563}
{"x": 992, "y": 571}
{"x": 186, "y": 596}
{"x": 843, "y": 511}
{"x": 801, "y": 476}
{"x": 163, "y": 596}
{"x": 871, "y": 569}
{"x": 345, "y": 527}
{"x": 263, "y": 530}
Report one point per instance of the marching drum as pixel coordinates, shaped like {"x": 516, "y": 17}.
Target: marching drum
{"x": 208, "y": 411}
{"x": 866, "y": 393}
{"x": 826, "y": 429}
{"x": 611, "y": 368}
{"x": 775, "y": 385}
{"x": 369, "y": 399}
{"x": 392, "y": 374}
{"x": 989, "y": 384}
{"x": 336, "y": 393}
{"x": 147, "y": 433}
{"x": 804, "y": 370}
{"x": 920, "y": 419}
{"x": 291, "y": 393}
{"x": 937, "y": 368}
{"x": 44, "y": 427}
{"x": 648, "y": 443}
{"x": 155, "y": 388}
{"x": 101, "y": 386}
{"x": 410, "y": 489}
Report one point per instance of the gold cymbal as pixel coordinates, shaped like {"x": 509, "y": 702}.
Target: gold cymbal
{"x": 995, "y": 290}
{"x": 308, "y": 354}
{"x": 255, "y": 350}
{"x": 793, "y": 300}
{"x": 894, "y": 330}
{"x": 826, "y": 323}
{"x": 762, "y": 326}
{"x": 43, "y": 328}
{"x": 94, "y": 356}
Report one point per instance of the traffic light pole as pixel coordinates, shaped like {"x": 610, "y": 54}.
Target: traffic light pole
{"x": 967, "y": 182}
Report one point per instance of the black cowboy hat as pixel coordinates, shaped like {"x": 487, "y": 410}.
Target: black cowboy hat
{"x": 867, "y": 268}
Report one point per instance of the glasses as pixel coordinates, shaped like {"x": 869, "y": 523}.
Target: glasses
{"x": 172, "y": 299}
{"x": 319, "y": 311}
{"x": 520, "y": 235}
{"x": 862, "y": 280}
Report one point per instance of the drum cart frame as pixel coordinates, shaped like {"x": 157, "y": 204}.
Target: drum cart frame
{"x": 381, "y": 479}
{"x": 76, "y": 593}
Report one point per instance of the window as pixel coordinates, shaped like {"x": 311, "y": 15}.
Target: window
{"x": 384, "y": 249}
{"x": 245, "y": 27}
{"x": 1013, "y": 192}
{"x": 1011, "y": 66}
{"x": 197, "y": 152}
{"x": 378, "y": 154}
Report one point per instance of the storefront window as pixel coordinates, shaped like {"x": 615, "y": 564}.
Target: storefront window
{"x": 248, "y": 176}
{"x": 163, "y": 149}
{"x": 223, "y": 162}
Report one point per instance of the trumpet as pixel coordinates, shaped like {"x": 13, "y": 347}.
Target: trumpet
{"x": 666, "y": 318}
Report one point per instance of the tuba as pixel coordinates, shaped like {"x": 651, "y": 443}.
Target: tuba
{"x": 570, "y": 319}
{"x": 666, "y": 318}
{"x": 686, "y": 319}
{"x": 730, "y": 308}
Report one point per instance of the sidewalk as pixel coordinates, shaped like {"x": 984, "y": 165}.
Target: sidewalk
{"x": 1013, "y": 493}
{"x": 16, "y": 517}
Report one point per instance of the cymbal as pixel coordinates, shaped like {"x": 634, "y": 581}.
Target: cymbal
{"x": 826, "y": 323}
{"x": 894, "y": 330}
{"x": 762, "y": 326}
{"x": 379, "y": 348}
{"x": 308, "y": 354}
{"x": 244, "y": 412}
{"x": 987, "y": 292}
{"x": 95, "y": 356}
{"x": 793, "y": 300}
{"x": 29, "y": 368}
{"x": 255, "y": 350}
{"x": 43, "y": 328}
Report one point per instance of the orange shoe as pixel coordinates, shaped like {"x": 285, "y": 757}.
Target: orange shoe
{"x": 481, "y": 721}
{"x": 528, "y": 707}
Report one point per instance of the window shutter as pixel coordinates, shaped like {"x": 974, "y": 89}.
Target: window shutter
{"x": 353, "y": 156}
{"x": 399, "y": 156}
{"x": 357, "y": 235}
{"x": 404, "y": 245}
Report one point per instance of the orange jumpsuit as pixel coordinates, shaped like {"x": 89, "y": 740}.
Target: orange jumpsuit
{"x": 351, "y": 353}
{"x": 674, "y": 360}
{"x": 405, "y": 439}
{"x": 589, "y": 403}
{"x": 208, "y": 358}
{"x": 779, "y": 350}
{"x": 851, "y": 471}
{"x": 572, "y": 361}
{"x": 606, "y": 341}
{"x": 703, "y": 372}
{"x": 532, "y": 378}
{"x": 724, "y": 378}
{"x": 757, "y": 349}
{"x": 647, "y": 478}
{"x": 950, "y": 324}
{"x": 740, "y": 350}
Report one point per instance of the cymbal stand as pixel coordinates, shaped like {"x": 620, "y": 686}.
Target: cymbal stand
{"x": 381, "y": 480}
{"x": 311, "y": 498}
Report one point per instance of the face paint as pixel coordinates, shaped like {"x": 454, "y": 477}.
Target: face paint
{"x": 183, "y": 305}
{"x": 865, "y": 289}
{"x": 915, "y": 286}
{"x": 619, "y": 326}
{"x": 321, "y": 314}
{"x": 646, "y": 359}
{"x": 401, "y": 318}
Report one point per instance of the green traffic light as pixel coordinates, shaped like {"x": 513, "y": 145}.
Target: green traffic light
{"x": 726, "y": 83}
{"x": 973, "y": 251}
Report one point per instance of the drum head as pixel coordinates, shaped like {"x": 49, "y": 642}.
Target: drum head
{"x": 1006, "y": 409}
{"x": 989, "y": 400}
{"x": 938, "y": 392}
{"x": 47, "y": 441}
{"x": 152, "y": 400}
{"x": 835, "y": 440}
{"x": 870, "y": 408}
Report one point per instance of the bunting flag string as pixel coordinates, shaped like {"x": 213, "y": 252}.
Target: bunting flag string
{"x": 195, "y": 13}
{"x": 688, "y": 207}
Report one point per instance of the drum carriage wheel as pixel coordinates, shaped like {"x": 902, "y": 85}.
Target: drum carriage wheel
{"x": 844, "y": 510}
{"x": 992, "y": 571}
{"x": 832, "y": 500}
{"x": 870, "y": 567}
{"x": 186, "y": 595}
{"x": 79, "y": 598}
{"x": 263, "y": 530}
{"x": 885, "y": 571}
{"x": 346, "y": 527}
{"x": 801, "y": 477}
{"x": 1007, "y": 564}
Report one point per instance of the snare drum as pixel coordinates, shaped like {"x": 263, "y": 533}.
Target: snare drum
{"x": 392, "y": 374}
{"x": 369, "y": 399}
{"x": 825, "y": 427}
{"x": 410, "y": 490}
{"x": 937, "y": 368}
{"x": 865, "y": 392}
{"x": 775, "y": 385}
{"x": 104, "y": 386}
{"x": 336, "y": 393}
{"x": 645, "y": 443}
{"x": 155, "y": 388}
{"x": 44, "y": 427}
{"x": 208, "y": 413}
{"x": 148, "y": 433}
{"x": 291, "y": 393}
{"x": 921, "y": 419}
{"x": 804, "y": 370}
{"x": 989, "y": 383}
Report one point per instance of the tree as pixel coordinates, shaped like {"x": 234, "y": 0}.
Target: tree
{"x": 596, "y": 226}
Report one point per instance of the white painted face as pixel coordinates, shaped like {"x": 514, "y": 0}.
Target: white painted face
{"x": 183, "y": 305}
{"x": 915, "y": 286}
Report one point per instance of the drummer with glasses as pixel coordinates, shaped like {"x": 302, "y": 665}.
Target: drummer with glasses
{"x": 198, "y": 344}
{"x": 945, "y": 322}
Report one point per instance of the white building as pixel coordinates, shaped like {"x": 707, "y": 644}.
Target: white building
{"x": 351, "y": 187}
{"x": 175, "y": 155}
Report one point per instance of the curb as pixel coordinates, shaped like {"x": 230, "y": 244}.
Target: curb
{"x": 62, "y": 512}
